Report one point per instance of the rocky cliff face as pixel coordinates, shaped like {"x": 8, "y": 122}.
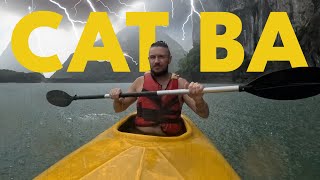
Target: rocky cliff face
{"x": 309, "y": 36}
{"x": 304, "y": 16}
{"x": 255, "y": 12}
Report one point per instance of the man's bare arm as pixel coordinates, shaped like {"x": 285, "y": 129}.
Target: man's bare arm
{"x": 200, "y": 107}
{"x": 195, "y": 99}
{"x": 121, "y": 104}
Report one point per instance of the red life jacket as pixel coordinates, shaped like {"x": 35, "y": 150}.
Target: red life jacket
{"x": 164, "y": 110}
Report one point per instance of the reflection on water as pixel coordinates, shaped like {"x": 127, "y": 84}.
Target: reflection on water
{"x": 261, "y": 138}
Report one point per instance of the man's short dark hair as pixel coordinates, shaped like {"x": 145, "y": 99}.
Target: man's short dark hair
{"x": 161, "y": 44}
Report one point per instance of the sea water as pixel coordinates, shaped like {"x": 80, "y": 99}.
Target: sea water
{"x": 260, "y": 138}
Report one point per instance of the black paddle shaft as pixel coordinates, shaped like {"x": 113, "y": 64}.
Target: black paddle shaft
{"x": 88, "y": 97}
{"x": 134, "y": 94}
{"x": 63, "y": 99}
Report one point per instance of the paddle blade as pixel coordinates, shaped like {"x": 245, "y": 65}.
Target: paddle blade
{"x": 59, "y": 98}
{"x": 289, "y": 84}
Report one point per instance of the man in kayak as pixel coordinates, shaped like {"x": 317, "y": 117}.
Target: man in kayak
{"x": 161, "y": 115}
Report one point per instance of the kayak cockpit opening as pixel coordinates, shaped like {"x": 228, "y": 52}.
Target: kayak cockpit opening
{"x": 129, "y": 127}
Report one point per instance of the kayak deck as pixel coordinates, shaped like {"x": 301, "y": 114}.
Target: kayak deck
{"x": 119, "y": 155}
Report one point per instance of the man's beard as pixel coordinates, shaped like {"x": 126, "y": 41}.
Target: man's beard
{"x": 161, "y": 73}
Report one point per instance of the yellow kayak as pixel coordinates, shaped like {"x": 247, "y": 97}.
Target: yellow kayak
{"x": 119, "y": 155}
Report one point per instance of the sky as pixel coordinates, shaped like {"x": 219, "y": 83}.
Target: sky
{"x": 63, "y": 41}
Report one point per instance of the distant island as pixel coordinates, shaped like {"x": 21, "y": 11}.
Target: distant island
{"x": 7, "y": 76}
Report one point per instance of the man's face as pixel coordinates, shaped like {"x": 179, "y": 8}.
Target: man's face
{"x": 159, "y": 60}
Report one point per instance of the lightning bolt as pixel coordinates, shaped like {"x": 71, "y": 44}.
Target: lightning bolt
{"x": 91, "y": 5}
{"x": 69, "y": 18}
{"x": 192, "y": 10}
{"x": 143, "y": 4}
{"x": 125, "y": 54}
{"x": 172, "y": 9}
{"x": 202, "y": 5}
{"x": 110, "y": 11}
{"x": 121, "y": 17}
{"x": 94, "y": 10}
{"x": 74, "y": 7}
{"x": 31, "y": 9}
